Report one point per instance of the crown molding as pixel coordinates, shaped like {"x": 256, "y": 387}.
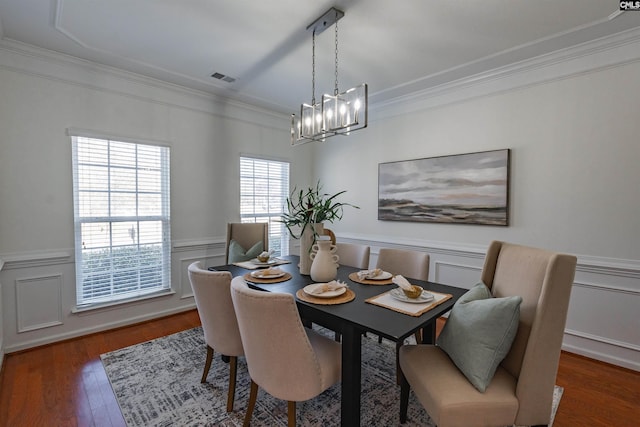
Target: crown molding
{"x": 616, "y": 50}
{"x": 32, "y": 60}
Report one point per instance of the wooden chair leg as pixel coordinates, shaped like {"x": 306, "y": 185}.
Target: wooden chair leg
{"x": 253, "y": 394}
{"x": 418, "y": 336}
{"x": 233, "y": 365}
{"x": 404, "y": 396}
{"x": 207, "y": 364}
{"x": 291, "y": 411}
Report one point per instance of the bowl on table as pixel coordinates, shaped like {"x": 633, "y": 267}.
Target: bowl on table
{"x": 414, "y": 292}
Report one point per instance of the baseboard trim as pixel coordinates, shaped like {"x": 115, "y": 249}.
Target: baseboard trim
{"x": 100, "y": 328}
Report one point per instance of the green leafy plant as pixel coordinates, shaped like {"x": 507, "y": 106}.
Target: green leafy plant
{"x": 310, "y": 206}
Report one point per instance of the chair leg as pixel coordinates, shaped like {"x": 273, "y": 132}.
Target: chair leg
{"x": 207, "y": 364}
{"x": 291, "y": 411}
{"x": 418, "y": 336}
{"x": 253, "y": 394}
{"x": 233, "y": 365}
{"x": 404, "y": 397}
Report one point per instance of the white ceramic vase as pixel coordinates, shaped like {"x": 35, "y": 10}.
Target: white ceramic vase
{"x": 306, "y": 243}
{"x": 324, "y": 266}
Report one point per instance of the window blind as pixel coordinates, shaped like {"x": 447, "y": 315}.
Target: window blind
{"x": 122, "y": 220}
{"x": 264, "y": 187}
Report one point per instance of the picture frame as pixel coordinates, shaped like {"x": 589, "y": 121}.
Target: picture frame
{"x": 471, "y": 188}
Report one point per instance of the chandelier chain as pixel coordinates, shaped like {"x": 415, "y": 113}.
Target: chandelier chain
{"x": 335, "y": 91}
{"x": 313, "y": 68}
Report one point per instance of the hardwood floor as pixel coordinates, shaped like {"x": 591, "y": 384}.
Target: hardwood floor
{"x": 64, "y": 384}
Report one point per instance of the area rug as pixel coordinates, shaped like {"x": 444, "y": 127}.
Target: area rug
{"x": 157, "y": 383}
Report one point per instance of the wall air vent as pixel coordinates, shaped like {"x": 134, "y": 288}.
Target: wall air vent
{"x": 222, "y": 77}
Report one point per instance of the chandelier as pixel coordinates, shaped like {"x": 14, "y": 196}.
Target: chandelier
{"x": 337, "y": 114}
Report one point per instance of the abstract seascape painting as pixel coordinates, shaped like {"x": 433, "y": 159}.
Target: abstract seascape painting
{"x": 468, "y": 188}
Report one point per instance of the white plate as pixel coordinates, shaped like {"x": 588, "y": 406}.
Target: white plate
{"x": 382, "y": 276}
{"x": 264, "y": 264}
{"x": 400, "y": 296}
{"x": 330, "y": 294}
{"x": 260, "y": 275}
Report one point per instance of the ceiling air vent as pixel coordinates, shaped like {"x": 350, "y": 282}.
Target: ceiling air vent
{"x": 222, "y": 77}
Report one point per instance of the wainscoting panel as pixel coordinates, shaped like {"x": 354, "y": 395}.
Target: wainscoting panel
{"x": 460, "y": 274}
{"x": 39, "y": 302}
{"x": 184, "y": 284}
{"x": 37, "y": 295}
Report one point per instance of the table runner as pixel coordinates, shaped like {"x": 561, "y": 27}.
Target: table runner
{"x": 387, "y": 301}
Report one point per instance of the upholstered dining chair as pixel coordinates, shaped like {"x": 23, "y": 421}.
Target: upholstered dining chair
{"x": 212, "y": 293}
{"x": 353, "y": 255}
{"x": 410, "y": 264}
{"x": 521, "y": 390}
{"x": 287, "y": 360}
{"x": 243, "y": 240}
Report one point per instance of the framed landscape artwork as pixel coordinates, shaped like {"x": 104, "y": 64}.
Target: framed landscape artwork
{"x": 468, "y": 188}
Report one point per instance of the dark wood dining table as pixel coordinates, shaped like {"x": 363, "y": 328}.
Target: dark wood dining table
{"x": 352, "y": 319}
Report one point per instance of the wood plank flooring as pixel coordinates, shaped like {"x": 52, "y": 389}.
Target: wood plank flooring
{"x": 64, "y": 384}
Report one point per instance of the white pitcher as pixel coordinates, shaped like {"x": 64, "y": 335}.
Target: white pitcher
{"x": 324, "y": 265}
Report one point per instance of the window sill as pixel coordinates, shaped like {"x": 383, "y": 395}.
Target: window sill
{"x": 112, "y": 304}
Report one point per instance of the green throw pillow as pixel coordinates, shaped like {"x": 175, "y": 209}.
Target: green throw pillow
{"x": 479, "y": 332}
{"x": 237, "y": 253}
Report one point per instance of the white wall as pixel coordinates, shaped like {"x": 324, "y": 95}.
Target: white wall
{"x": 43, "y": 94}
{"x": 570, "y": 123}
{"x": 573, "y": 136}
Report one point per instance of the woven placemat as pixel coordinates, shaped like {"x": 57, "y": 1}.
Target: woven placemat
{"x": 349, "y": 295}
{"x": 249, "y": 278}
{"x": 386, "y": 301}
{"x": 355, "y": 278}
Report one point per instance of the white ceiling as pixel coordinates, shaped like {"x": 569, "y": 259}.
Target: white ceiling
{"x": 396, "y": 47}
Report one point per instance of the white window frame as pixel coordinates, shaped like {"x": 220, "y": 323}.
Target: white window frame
{"x": 264, "y": 187}
{"x": 96, "y": 202}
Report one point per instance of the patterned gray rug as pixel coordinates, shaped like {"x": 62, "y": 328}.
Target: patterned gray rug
{"x": 157, "y": 383}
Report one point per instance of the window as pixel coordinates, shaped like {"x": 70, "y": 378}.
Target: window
{"x": 264, "y": 188}
{"x": 121, "y": 216}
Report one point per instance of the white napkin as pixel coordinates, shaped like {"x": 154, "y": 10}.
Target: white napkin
{"x": 270, "y": 271}
{"x": 402, "y": 282}
{"x": 328, "y": 287}
{"x": 369, "y": 274}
